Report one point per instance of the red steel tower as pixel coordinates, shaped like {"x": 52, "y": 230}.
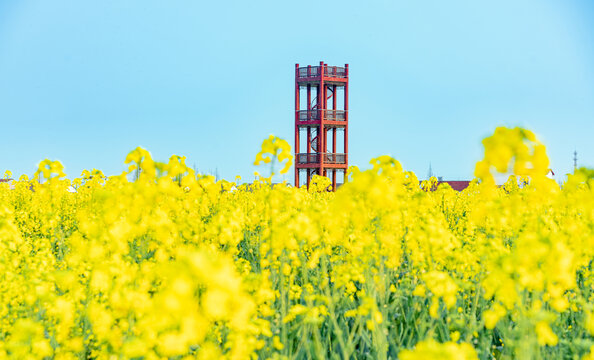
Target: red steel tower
{"x": 316, "y": 114}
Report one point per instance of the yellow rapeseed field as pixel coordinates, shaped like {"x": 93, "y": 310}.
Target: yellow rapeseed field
{"x": 174, "y": 265}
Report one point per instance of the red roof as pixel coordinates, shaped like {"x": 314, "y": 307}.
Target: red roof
{"x": 457, "y": 185}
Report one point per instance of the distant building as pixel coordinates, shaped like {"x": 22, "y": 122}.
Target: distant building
{"x": 457, "y": 185}
{"x": 8, "y": 181}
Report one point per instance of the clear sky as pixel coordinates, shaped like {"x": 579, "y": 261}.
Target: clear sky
{"x": 85, "y": 82}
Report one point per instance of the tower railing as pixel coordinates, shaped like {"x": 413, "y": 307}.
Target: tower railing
{"x": 329, "y": 115}
{"x": 308, "y": 158}
{"x": 309, "y": 71}
{"x": 309, "y": 115}
{"x": 335, "y": 71}
{"x": 334, "y": 158}
{"x": 329, "y": 71}
{"x": 335, "y": 115}
{"x": 314, "y": 158}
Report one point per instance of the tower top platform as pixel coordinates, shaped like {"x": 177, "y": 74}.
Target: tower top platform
{"x": 323, "y": 71}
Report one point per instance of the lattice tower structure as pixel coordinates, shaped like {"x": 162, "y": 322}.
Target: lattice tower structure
{"x": 320, "y": 111}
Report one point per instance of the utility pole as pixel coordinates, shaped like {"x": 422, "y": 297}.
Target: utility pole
{"x": 574, "y": 161}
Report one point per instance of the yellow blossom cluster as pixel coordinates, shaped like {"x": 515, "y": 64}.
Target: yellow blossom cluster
{"x": 160, "y": 262}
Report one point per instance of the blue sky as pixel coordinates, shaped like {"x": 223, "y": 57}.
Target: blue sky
{"x": 85, "y": 82}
